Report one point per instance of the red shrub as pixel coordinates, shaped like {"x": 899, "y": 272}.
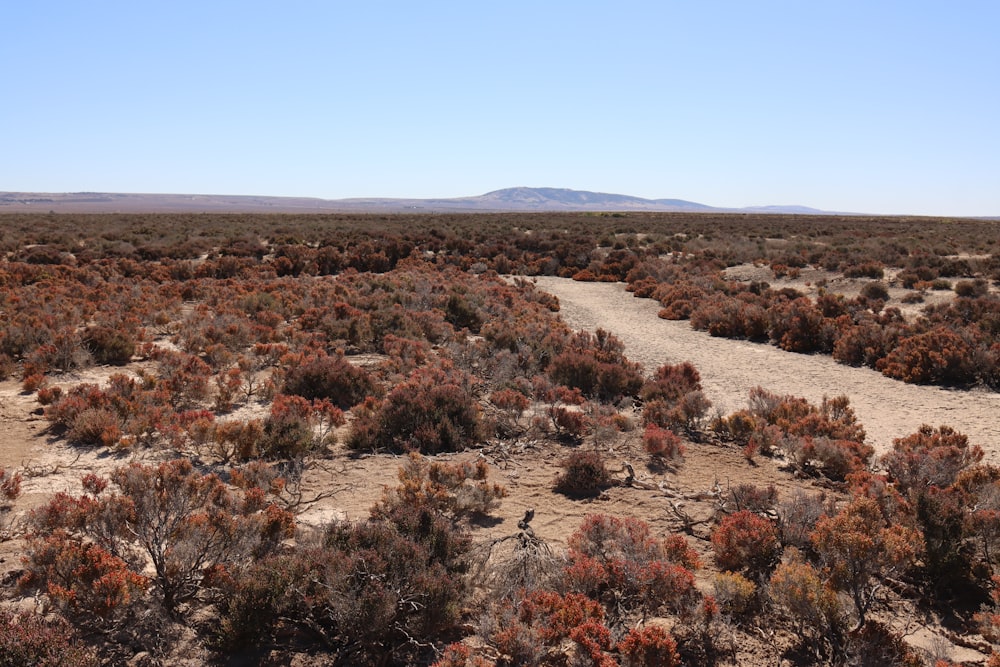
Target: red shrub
{"x": 543, "y": 620}
{"x": 798, "y": 326}
{"x": 930, "y": 457}
{"x": 82, "y": 577}
{"x": 745, "y": 541}
{"x": 461, "y": 655}
{"x": 595, "y": 364}
{"x": 31, "y": 639}
{"x": 936, "y": 357}
{"x": 662, "y": 444}
{"x": 451, "y": 489}
{"x": 109, "y": 345}
{"x": 328, "y": 377}
{"x": 858, "y": 548}
{"x": 617, "y": 559}
{"x": 186, "y": 525}
{"x": 433, "y": 411}
{"x": 650, "y": 646}
{"x": 672, "y": 382}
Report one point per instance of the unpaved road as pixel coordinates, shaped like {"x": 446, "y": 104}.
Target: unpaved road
{"x": 730, "y": 368}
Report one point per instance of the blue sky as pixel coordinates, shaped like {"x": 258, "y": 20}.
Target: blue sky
{"x": 881, "y": 107}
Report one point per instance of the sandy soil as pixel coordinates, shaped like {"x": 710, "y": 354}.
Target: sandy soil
{"x": 730, "y": 368}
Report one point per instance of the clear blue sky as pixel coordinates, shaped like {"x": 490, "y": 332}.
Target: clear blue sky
{"x": 873, "y": 106}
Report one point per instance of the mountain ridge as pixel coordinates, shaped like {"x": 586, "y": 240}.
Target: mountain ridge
{"x": 513, "y": 199}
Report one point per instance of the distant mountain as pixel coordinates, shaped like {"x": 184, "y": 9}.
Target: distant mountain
{"x": 510, "y": 199}
{"x": 547, "y": 199}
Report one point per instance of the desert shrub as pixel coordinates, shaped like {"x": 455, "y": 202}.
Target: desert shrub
{"x": 756, "y": 499}
{"x": 728, "y": 317}
{"x": 329, "y": 377}
{"x": 745, "y": 541}
{"x": 875, "y": 291}
{"x": 738, "y": 427}
{"x": 82, "y": 578}
{"x": 930, "y": 457}
{"x": 31, "y": 639}
{"x": 510, "y": 405}
{"x": 798, "y": 326}
{"x": 407, "y": 568}
{"x": 909, "y": 278}
{"x": 833, "y": 418}
{"x": 797, "y": 517}
{"x": 672, "y": 382}
{"x": 458, "y": 654}
{"x": 295, "y": 427}
{"x": 678, "y": 299}
{"x": 183, "y": 376}
{"x": 980, "y": 491}
{"x": 432, "y": 411}
{"x": 368, "y": 588}
{"x": 864, "y": 344}
{"x": 971, "y": 288}
{"x": 109, "y": 346}
{"x": 10, "y": 487}
{"x": 461, "y": 314}
{"x": 584, "y": 474}
{"x": 649, "y": 646}
{"x": 826, "y": 439}
{"x": 530, "y": 632}
{"x": 813, "y": 607}
{"x": 735, "y": 593}
{"x": 568, "y": 423}
{"x": 686, "y": 413}
{"x": 228, "y": 440}
{"x": 944, "y": 522}
{"x": 858, "y": 547}
{"x": 662, "y": 444}
{"x": 451, "y": 489}
{"x": 939, "y": 356}
{"x": 834, "y": 459}
{"x": 865, "y": 270}
{"x": 182, "y": 523}
{"x": 988, "y": 617}
{"x": 595, "y": 364}
{"x": 95, "y": 426}
{"x": 618, "y": 562}
{"x": 876, "y": 644}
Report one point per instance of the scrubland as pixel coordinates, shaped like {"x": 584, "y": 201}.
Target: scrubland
{"x": 320, "y": 440}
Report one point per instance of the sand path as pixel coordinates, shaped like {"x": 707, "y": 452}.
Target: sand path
{"x": 730, "y": 368}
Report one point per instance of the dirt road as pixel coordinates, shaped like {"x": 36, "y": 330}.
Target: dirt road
{"x": 729, "y": 369}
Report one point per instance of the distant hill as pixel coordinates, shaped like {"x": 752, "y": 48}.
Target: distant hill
{"x": 509, "y": 199}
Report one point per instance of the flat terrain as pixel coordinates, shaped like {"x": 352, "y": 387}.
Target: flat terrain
{"x": 730, "y": 368}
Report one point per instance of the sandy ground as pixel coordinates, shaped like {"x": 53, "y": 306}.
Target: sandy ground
{"x": 730, "y": 368}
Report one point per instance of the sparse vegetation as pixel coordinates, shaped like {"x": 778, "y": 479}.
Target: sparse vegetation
{"x": 249, "y": 350}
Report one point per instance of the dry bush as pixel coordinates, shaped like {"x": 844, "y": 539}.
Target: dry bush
{"x": 584, "y": 474}
{"x": 745, "y": 541}
{"x": 663, "y": 445}
{"x": 930, "y": 457}
{"x": 180, "y": 524}
{"x": 329, "y": 377}
{"x": 432, "y": 411}
{"x": 31, "y": 639}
